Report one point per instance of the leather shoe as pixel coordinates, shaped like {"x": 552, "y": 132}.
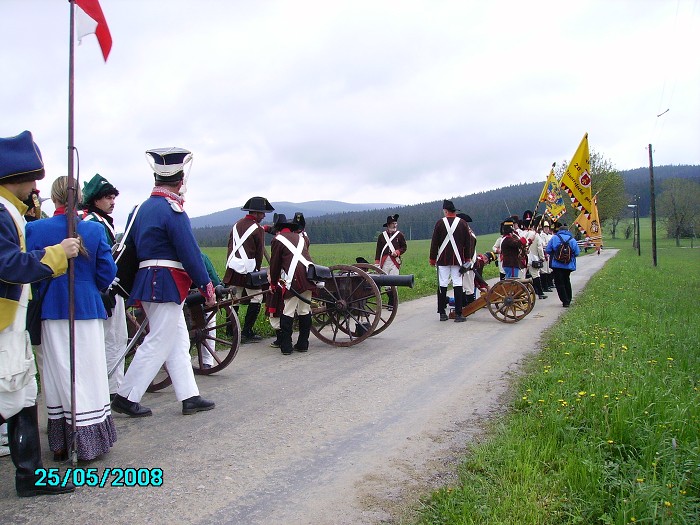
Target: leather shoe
{"x": 196, "y": 404}
{"x": 460, "y": 319}
{"x": 123, "y": 406}
{"x": 443, "y": 317}
{"x": 543, "y": 296}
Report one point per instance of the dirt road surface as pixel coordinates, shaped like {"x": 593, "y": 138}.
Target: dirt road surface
{"x": 334, "y": 436}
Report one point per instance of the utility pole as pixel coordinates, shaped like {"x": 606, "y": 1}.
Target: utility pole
{"x": 652, "y": 207}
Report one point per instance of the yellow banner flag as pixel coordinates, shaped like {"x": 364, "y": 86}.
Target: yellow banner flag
{"x": 589, "y": 225}
{"x": 551, "y": 196}
{"x": 577, "y": 179}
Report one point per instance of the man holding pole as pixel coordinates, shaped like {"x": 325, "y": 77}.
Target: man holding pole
{"x": 21, "y": 166}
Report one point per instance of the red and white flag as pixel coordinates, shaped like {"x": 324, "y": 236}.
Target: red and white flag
{"x": 90, "y": 20}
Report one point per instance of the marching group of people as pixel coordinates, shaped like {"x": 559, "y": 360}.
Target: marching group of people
{"x": 160, "y": 263}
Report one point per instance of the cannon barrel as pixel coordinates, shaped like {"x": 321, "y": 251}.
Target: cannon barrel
{"x": 392, "y": 280}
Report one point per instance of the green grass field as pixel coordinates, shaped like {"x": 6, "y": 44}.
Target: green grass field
{"x": 604, "y": 426}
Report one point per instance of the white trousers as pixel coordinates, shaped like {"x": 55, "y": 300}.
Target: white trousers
{"x": 167, "y": 342}
{"x": 447, "y": 274}
{"x": 294, "y": 305}
{"x": 250, "y": 291}
{"x": 468, "y": 282}
{"x": 389, "y": 267}
{"x": 116, "y": 339}
{"x": 207, "y": 358}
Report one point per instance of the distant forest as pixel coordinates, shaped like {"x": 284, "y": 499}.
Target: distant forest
{"x": 487, "y": 210}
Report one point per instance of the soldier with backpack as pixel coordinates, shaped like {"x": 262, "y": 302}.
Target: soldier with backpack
{"x": 563, "y": 250}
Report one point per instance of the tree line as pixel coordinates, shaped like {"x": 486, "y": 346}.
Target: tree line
{"x": 487, "y": 209}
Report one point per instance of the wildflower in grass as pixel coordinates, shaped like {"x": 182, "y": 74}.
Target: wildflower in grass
{"x": 640, "y": 480}
{"x": 611, "y": 441}
{"x": 582, "y": 393}
{"x": 624, "y": 347}
{"x": 668, "y": 504}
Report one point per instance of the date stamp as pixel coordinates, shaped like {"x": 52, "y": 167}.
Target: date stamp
{"x": 94, "y": 477}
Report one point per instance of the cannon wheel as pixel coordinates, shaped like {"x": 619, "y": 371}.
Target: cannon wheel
{"x": 533, "y": 295}
{"x": 389, "y": 294}
{"x": 201, "y": 340}
{"x": 219, "y": 320}
{"x": 509, "y": 301}
{"x": 347, "y": 309}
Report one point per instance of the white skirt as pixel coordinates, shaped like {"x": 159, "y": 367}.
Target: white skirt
{"x": 94, "y": 425}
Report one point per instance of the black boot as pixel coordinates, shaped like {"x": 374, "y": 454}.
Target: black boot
{"x": 247, "y": 334}
{"x": 286, "y": 328}
{"x": 459, "y": 318}
{"x": 304, "y": 331}
{"x": 276, "y": 342}
{"x": 537, "y": 285}
{"x": 25, "y": 449}
{"x": 442, "y": 302}
{"x": 229, "y": 324}
{"x": 390, "y": 301}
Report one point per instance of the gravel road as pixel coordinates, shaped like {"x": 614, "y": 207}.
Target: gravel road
{"x": 334, "y": 436}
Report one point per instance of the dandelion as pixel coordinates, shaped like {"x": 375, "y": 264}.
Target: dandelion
{"x": 668, "y": 504}
{"x": 640, "y": 480}
{"x": 669, "y": 359}
{"x": 582, "y": 393}
{"x": 610, "y": 441}
{"x": 624, "y": 347}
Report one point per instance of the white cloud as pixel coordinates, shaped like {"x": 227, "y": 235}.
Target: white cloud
{"x": 405, "y": 101}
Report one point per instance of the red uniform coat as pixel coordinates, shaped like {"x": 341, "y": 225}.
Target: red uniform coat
{"x": 254, "y": 247}
{"x": 281, "y": 259}
{"x": 462, "y": 239}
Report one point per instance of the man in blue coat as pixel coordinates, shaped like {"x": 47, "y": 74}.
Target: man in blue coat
{"x": 561, "y": 270}
{"x": 20, "y": 167}
{"x": 169, "y": 261}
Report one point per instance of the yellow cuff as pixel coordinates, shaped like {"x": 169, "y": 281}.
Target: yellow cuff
{"x": 55, "y": 258}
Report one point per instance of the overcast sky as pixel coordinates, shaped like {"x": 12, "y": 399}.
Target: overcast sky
{"x": 358, "y": 101}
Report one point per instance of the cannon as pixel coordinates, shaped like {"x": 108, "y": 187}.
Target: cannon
{"x": 509, "y": 300}
{"x": 351, "y": 304}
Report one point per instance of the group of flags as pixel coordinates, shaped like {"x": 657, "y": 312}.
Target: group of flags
{"x": 576, "y": 182}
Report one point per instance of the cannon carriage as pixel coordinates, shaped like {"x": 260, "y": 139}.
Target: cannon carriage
{"x": 351, "y": 303}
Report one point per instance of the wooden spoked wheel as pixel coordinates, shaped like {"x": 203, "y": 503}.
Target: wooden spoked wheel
{"x": 215, "y": 336}
{"x": 347, "y": 309}
{"x": 509, "y": 300}
{"x": 389, "y": 296}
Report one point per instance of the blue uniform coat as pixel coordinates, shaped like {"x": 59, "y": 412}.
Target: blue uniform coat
{"x": 161, "y": 232}
{"x": 92, "y": 274}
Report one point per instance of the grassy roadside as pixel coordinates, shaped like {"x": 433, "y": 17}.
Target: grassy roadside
{"x": 605, "y": 423}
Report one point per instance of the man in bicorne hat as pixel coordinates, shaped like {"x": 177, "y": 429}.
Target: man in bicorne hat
{"x": 246, "y": 249}
{"x": 391, "y": 244}
{"x": 535, "y": 254}
{"x": 289, "y": 260}
{"x": 448, "y": 251}
{"x": 21, "y": 166}
{"x": 169, "y": 260}
{"x": 99, "y": 197}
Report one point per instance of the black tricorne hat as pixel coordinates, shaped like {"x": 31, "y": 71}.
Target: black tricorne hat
{"x": 259, "y": 204}
{"x": 449, "y": 206}
{"x": 390, "y": 219}
{"x": 280, "y": 221}
{"x": 464, "y": 217}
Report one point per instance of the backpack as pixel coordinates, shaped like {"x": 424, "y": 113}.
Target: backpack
{"x": 563, "y": 253}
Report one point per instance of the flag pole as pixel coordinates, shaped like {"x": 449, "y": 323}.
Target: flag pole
{"x": 70, "y": 217}
{"x": 534, "y": 214}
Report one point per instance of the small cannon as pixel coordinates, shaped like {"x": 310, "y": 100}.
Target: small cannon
{"x": 350, "y": 305}
{"x": 354, "y": 303}
{"x": 509, "y": 300}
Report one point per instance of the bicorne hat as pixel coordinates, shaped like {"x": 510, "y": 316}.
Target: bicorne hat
{"x": 390, "y": 219}
{"x": 168, "y": 164}
{"x": 464, "y": 217}
{"x": 449, "y": 206}
{"x": 280, "y": 221}
{"x": 20, "y": 159}
{"x": 260, "y": 204}
{"x": 96, "y": 188}
{"x": 299, "y": 220}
